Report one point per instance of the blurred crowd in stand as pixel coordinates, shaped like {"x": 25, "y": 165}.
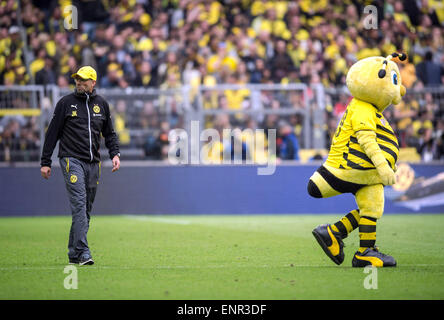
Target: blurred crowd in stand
{"x": 167, "y": 44}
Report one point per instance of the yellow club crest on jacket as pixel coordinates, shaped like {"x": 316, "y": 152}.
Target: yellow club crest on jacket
{"x": 377, "y": 80}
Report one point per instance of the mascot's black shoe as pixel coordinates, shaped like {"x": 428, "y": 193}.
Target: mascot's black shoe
{"x": 331, "y": 242}
{"x": 372, "y": 256}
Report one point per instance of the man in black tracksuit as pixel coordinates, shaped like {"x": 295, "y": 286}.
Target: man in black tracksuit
{"x": 79, "y": 119}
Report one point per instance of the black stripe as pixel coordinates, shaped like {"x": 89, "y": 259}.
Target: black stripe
{"x": 367, "y": 243}
{"x": 354, "y": 165}
{"x": 370, "y": 218}
{"x": 352, "y": 220}
{"x": 338, "y": 184}
{"x": 313, "y": 190}
{"x": 364, "y": 156}
{"x": 378, "y": 115}
{"x": 342, "y": 229}
{"x": 360, "y": 155}
{"x": 354, "y": 139}
{"x": 387, "y": 139}
{"x": 389, "y": 151}
{"x": 366, "y": 228}
{"x": 385, "y": 129}
{"x": 375, "y": 107}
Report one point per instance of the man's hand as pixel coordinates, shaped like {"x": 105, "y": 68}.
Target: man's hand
{"x": 116, "y": 163}
{"x": 46, "y": 172}
{"x": 387, "y": 174}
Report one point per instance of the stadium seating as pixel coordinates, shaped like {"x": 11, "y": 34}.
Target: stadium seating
{"x": 170, "y": 44}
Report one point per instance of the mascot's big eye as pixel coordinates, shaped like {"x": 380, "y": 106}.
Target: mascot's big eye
{"x": 394, "y": 78}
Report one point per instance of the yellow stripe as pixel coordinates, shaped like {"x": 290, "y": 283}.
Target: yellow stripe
{"x": 347, "y": 224}
{"x": 100, "y": 170}
{"x": 67, "y": 165}
{"x": 23, "y": 112}
{"x": 373, "y": 260}
{"x": 355, "y": 214}
{"x": 367, "y": 236}
{"x": 367, "y": 222}
{"x": 325, "y": 189}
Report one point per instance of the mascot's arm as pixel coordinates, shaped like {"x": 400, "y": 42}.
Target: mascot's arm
{"x": 367, "y": 140}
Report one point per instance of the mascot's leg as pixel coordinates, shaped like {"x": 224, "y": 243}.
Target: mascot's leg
{"x": 347, "y": 223}
{"x": 330, "y": 237}
{"x": 324, "y": 184}
{"x": 370, "y": 200}
{"x": 318, "y": 187}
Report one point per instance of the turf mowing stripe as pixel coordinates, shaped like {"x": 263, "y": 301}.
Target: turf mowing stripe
{"x": 156, "y": 219}
{"x": 198, "y": 267}
{"x": 134, "y": 268}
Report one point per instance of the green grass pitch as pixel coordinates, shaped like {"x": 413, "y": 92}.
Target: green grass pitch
{"x": 258, "y": 257}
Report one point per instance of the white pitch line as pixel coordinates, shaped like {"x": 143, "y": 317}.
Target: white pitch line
{"x": 157, "y": 219}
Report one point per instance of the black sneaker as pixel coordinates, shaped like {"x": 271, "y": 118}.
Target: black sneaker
{"x": 331, "y": 242}
{"x": 372, "y": 256}
{"x": 86, "y": 262}
{"x": 73, "y": 261}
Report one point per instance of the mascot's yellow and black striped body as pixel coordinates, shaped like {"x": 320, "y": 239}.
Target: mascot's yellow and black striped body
{"x": 362, "y": 159}
{"x": 346, "y": 152}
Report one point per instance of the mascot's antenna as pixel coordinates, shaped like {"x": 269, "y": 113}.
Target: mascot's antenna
{"x": 382, "y": 72}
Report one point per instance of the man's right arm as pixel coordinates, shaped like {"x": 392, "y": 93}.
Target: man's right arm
{"x": 53, "y": 134}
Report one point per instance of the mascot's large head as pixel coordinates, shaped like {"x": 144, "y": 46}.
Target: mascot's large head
{"x": 377, "y": 80}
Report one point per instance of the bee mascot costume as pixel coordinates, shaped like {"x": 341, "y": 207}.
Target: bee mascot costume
{"x": 362, "y": 160}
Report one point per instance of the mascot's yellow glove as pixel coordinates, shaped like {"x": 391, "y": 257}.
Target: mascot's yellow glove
{"x": 367, "y": 140}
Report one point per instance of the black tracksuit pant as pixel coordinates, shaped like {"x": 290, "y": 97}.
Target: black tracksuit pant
{"x": 81, "y": 180}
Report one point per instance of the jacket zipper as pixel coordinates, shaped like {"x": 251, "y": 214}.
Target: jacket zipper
{"x": 89, "y": 128}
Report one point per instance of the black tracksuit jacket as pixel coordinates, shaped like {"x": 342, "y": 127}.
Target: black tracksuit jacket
{"x": 78, "y": 121}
